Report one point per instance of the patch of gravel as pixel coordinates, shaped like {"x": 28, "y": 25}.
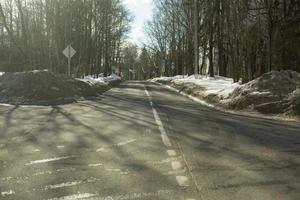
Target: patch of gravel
{"x": 44, "y": 88}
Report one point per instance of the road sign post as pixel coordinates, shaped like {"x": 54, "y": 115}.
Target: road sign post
{"x": 69, "y": 52}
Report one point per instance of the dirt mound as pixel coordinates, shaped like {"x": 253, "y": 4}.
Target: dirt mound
{"x": 274, "y": 92}
{"x": 42, "y": 88}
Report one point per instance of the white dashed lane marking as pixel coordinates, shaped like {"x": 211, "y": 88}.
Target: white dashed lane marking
{"x": 159, "y": 123}
{"x": 48, "y": 160}
{"x": 177, "y": 166}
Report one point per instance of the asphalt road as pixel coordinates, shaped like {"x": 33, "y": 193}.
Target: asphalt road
{"x": 142, "y": 141}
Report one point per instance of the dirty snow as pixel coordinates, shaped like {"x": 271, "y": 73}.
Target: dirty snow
{"x": 143, "y": 195}
{"x": 7, "y": 193}
{"x": 213, "y": 85}
{"x": 43, "y": 88}
{"x": 101, "y": 80}
{"x": 164, "y": 78}
{"x": 62, "y": 185}
{"x": 272, "y": 93}
{"x": 100, "y": 149}
{"x": 217, "y": 85}
{"x": 95, "y": 165}
{"x": 113, "y": 170}
{"x": 7, "y": 178}
{"x": 75, "y": 196}
{"x": 125, "y": 142}
{"x": 92, "y": 81}
{"x": 42, "y": 173}
{"x": 275, "y": 92}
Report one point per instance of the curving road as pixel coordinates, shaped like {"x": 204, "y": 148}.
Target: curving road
{"x": 142, "y": 141}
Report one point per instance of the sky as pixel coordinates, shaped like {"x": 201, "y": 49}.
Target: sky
{"x": 142, "y": 12}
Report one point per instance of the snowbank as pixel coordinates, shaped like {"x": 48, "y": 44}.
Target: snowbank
{"x": 218, "y": 86}
{"x": 166, "y": 79}
{"x": 113, "y": 79}
{"x": 43, "y": 88}
{"x": 110, "y": 80}
{"x": 93, "y": 81}
{"x": 276, "y": 92}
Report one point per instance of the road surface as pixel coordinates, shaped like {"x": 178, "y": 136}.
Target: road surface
{"x": 142, "y": 141}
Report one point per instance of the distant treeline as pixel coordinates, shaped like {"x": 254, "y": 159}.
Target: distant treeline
{"x": 235, "y": 38}
{"x": 33, "y": 34}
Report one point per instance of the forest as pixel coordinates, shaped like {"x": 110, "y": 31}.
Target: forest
{"x": 33, "y": 34}
{"x": 232, "y": 38}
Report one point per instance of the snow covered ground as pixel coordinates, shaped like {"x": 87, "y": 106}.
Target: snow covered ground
{"x": 274, "y": 93}
{"x": 101, "y": 80}
{"x": 45, "y": 88}
{"x": 217, "y": 85}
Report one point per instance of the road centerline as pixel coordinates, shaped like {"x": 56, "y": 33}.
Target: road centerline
{"x": 176, "y": 165}
{"x": 158, "y": 121}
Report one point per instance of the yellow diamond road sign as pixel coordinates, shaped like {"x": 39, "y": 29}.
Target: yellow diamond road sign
{"x": 69, "y": 52}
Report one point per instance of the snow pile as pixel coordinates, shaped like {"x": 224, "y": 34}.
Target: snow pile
{"x": 209, "y": 88}
{"x": 273, "y": 92}
{"x": 167, "y": 79}
{"x": 110, "y": 80}
{"x": 276, "y": 92}
{"x": 42, "y": 88}
{"x": 1, "y": 73}
{"x": 93, "y": 81}
{"x": 217, "y": 85}
{"x": 113, "y": 79}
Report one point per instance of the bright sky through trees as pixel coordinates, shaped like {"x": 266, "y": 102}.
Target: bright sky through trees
{"x": 142, "y": 11}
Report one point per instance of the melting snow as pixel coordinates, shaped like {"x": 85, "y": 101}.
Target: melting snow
{"x": 168, "y": 160}
{"x": 142, "y": 195}
{"x": 261, "y": 93}
{"x": 7, "y": 193}
{"x": 62, "y": 185}
{"x": 125, "y": 143}
{"x": 5, "y": 105}
{"x": 66, "y": 169}
{"x": 100, "y": 149}
{"x": 42, "y": 173}
{"x": 101, "y": 80}
{"x": 7, "y": 178}
{"x": 75, "y": 196}
{"x": 218, "y": 85}
{"x": 95, "y": 165}
{"x": 92, "y": 81}
{"x": 113, "y": 170}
